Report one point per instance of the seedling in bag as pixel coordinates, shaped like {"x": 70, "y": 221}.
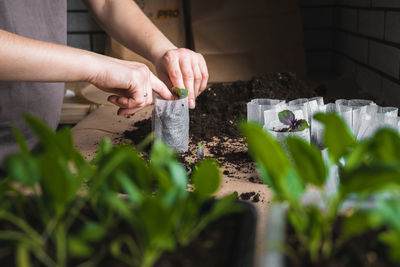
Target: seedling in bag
{"x": 294, "y": 125}
{"x": 179, "y": 93}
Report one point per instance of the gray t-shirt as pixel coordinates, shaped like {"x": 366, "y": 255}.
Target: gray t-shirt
{"x": 42, "y": 20}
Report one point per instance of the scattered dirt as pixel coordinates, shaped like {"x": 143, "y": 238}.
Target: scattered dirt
{"x": 253, "y": 196}
{"x": 214, "y": 121}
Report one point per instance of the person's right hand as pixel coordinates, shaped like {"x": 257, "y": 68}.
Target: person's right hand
{"x": 131, "y": 83}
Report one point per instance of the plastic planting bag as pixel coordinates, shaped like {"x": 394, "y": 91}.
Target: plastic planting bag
{"x": 281, "y": 136}
{"x": 273, "y": 125}
{"x": 317, "y": 128}
{"x": 358, "y": 109}
{"x": 375, "y": 118}
{"x": 171, "y": 123}
{"x": 256, "y": 108}
{"x": 312, "y": 106}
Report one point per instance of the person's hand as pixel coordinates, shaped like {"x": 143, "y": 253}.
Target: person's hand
{"x": 131, "y": 83}
{"x": 183, "y": 68}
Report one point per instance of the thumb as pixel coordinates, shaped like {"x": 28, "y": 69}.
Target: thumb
{"x": 160, "y": 88}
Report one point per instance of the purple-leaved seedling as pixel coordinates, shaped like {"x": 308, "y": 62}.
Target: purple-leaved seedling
{"x": 287, "y": 118}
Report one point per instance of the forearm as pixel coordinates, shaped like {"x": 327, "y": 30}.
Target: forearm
{"x": 126, "y": 22}
{"x": 28, "y": 60}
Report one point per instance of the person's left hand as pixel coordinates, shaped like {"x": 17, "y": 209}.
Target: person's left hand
{"x": 183, "y": 68}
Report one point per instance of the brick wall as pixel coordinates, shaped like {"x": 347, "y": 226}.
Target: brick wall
{"x": 363, "y": 38}
{"x": 318, "y": 18}
{"x": 83, "y": 31}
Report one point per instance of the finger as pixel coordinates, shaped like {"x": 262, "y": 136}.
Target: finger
{"x": 204, "y": 74}
{"x": 149, "y": 92}
{"x": 160, "y": 88}
{"x": 175, "y": 74}
{"x": 124, "y": 102}
{"x": 188, "y": 80}
{"x": 128, "y": 111}
{"x": 139, "y": 93}
{"x": 118, "y": 92}
{"x": 197, "y": 79}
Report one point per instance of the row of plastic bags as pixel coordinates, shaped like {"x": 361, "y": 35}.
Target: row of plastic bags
{"x": 363, "y": 117}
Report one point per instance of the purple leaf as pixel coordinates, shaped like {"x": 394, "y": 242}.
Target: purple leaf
{"x": 286, "y": 117}
{"x": 300, "y": 125}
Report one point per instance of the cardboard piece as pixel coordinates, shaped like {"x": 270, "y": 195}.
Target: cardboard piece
{"x": 95, "y": 95}
{"x": 241, "y": 39}
{"x": 107, "y": 120}
{"x": 167, "y": 15}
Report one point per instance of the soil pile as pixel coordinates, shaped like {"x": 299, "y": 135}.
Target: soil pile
{"x": 219, "y": 108}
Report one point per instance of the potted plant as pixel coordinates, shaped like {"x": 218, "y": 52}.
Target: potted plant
{"x": 331, "y": 231}
{"x": 288, "y": 125}
{"x": 57, "y": 209}
{"x": 171, "y": 120}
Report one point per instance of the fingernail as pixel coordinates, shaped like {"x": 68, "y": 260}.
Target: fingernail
{"x": 192, "y": 104}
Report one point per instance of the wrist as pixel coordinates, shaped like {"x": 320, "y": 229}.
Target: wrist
{"x": 158, "y": 52}
{"x": 90, "y": 63}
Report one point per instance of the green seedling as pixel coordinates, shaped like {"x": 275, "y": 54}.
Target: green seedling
{"x": 179, "y": 93}
{"x": 200, "y": 151}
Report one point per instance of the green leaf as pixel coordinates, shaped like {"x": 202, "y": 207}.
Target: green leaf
{"x": 147, "y": 141}
{"x": 21, "y": 141}
{"x": 391, "y": 238}
{"x": 130, "y": 188}
{"x": 79, "y": 248}
{"x": 158, "y": 227}
{"x": 119, "y": 205}
{"x": 360, "y": 222}
{"x": 22, "y": 168}
{"x": 160, "y": 154}
{"x": 40, "y": 128}
{"x": 22, "y": 256}
{"x": 179, "y": 93}
{"x": 308, "y": 161}
{"x": 385, "y": 146}
{"x": 266, "y": 151}
{"x": 389, "y": 211}
{"x": 92, "y": 231}
{"x": 301, "y": 125}
{"x": 370, "y": 179}
{"x": 337, "y": 136}
{"x": 206, "y": 178}
{"x": 104, "y": 149}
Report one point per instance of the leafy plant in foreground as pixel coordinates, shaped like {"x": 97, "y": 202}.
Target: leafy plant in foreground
{"x": 365, "y": 168}
{"x": 57, "y": 209}
{"x": 294, "y": 125}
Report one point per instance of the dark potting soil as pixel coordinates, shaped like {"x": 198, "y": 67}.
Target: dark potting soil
{"x": 219, "y": 109}
{"x": 362, "y": 251}
{"x": 212, "y": 247}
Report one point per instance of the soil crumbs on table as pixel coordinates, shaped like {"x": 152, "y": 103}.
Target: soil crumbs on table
{"x": 214, "y": 121}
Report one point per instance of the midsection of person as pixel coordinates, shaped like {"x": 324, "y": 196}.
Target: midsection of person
{"x": 43, "y": 20}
